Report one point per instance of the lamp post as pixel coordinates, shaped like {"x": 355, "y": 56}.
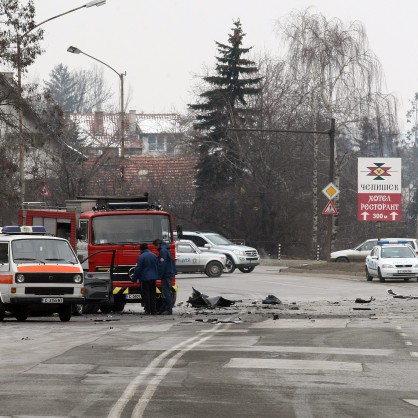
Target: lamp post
{"x": 121, "y": 76}
{"x": 19, "y": 38}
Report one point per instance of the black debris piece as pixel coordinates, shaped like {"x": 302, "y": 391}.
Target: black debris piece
{"x": 362, "y": 309}
{"x": 359, "y": 300}
{"x": 200, "y": 300}
{"x": 275, "y": 316}
{"x": 271, "y": 300}
{"x": 396, "y": 295}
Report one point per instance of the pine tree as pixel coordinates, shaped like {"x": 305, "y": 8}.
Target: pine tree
{"x": 224, "y": 104}
{"x": 63, "y": 88}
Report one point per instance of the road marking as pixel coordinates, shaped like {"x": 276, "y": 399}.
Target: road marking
{"x": 412, "y": 401}
{"x": 149, "y": 391}
{"x": 229, "y": 331}
{"x": 413, "y": 354}
{"x": 408, "y": 343}
{"x": 403, "y": 334}
{"x": 299, "y": 349}
{"x": 302, "y": 323}
{"x": 315, "y": 365}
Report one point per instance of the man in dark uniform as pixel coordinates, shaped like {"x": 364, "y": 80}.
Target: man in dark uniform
{"x": 146, "y": 272}
{"x": 166, "y": 271}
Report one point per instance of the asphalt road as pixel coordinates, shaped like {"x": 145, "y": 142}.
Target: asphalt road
{"x": 317, "y": 354}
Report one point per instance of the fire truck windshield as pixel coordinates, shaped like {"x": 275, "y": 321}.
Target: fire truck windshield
{"x": 130, "y": 228}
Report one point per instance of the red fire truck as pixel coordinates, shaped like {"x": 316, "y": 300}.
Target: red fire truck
{"x": 95, "y": 226}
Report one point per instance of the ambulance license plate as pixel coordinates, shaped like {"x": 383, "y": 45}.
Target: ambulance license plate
{"x": 133, "y": 296}
{"x": 52, "y": 300}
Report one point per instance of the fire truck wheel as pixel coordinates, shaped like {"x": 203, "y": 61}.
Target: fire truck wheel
{"x": 106, "y": 309}
{"x": 64, "y": 313}
{"x": 22, "y": 314}
{"x": 118, "y": 307}
{"x": 2, "y": 311}
{"x": 173, "y": 297}
{"x": 91, "y": 308}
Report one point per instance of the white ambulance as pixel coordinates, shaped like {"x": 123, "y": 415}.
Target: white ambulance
{"x": 38, "y": 273}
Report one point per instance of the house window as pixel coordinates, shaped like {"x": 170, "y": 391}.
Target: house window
{"x": 156, "y": 143}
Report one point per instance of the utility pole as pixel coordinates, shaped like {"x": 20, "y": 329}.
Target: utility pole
{"x": 331, "y": 134}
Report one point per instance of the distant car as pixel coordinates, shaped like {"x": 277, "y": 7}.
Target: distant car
{"x": 191, "y": 259}
{"x": 394, "y": 261}
{"x": 238, "y": 256}
{"x": 360, "y": 252}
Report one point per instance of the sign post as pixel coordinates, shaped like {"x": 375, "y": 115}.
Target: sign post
{"x": 379, "y": 189}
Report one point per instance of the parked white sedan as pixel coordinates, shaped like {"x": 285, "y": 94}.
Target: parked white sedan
{"x": 392, "y": 261}
{"x": 191, "y": 259}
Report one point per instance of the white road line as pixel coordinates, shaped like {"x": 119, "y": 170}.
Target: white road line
{"x": 412, "y": 401}
{"x": 403, "y": 334}
{"x": 130, "y": 390}
{"x": 413, "y": 354}
{"x": 315, "y": 365}
{"x": 408, "y": 343}
{"x": 152, "y": 387}
{"x": 299, "y": 349}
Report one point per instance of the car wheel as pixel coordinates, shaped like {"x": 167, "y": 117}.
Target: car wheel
{"x": 379, "y": 274}
{"x": 342, "y": 260}
{"x": 368, "y": 277}
{"x": 3, "y": 310}
{"x": 64, "y": 313}
{"x": 22, "y": 314}
{"x": 229, "y": 265}
{"x": 213, "y": 269}
{"x": 246, "y": 269}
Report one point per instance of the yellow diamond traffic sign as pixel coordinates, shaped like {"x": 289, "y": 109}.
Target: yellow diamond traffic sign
{"x": 330, "y": 191}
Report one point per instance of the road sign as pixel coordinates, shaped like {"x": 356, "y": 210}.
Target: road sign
{"x": 45, "y": 191}
{"x": 330, "y": 209}
{"x": 330, "y": 191}
{"x": 379, "y": 189}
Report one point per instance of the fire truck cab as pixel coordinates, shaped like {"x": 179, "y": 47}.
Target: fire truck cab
{"x": 38, "y": 273}
{"x": 96, "y": 226}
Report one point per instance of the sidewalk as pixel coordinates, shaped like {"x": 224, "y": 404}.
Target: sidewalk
{"x": 313, "y": 266}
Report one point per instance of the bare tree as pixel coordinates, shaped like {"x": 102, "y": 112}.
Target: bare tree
{"x": 342, "y": 79}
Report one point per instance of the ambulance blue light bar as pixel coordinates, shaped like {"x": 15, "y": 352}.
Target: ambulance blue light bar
{"x": 23, "y": 229}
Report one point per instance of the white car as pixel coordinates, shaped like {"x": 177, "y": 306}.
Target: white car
{"x": 241, "y": 257}
{"x": 191, "y": 259}
{"x": 392, "y": 261}
{"x": 362, "y": 250}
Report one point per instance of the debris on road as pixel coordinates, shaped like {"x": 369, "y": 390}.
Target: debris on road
{"x": 359, "y": 300}
{"x": 362, "y": 309}
{"x": 199, "y": 300}
{"x": 396, "y": 295}
{"x": 271, "y": 300}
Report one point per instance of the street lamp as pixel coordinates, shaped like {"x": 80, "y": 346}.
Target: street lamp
{"x": 19, "y": 39}
{"x": 75, "y": 50}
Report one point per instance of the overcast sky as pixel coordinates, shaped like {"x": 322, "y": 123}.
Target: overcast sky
{"x": 163, "y": 44}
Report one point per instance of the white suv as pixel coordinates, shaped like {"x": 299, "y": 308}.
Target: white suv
{"x": 237, "y": 256}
